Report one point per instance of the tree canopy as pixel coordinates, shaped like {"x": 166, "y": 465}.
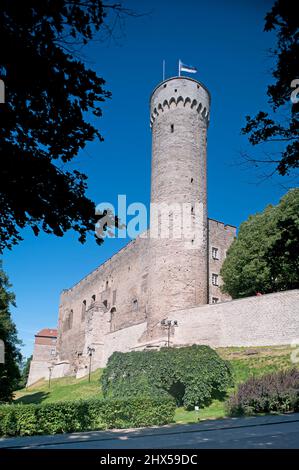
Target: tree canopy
{"x": 280, "y": 125}
{"x": 9, "y": 371}
{"x": 49, "y": 92}
{"x": 264, "y": 258}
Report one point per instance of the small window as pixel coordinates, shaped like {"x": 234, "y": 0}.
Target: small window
{"x": 93, "y": 298}
{"x": 105, "y": 303}
{"x": 107, "y": 284}
{"x": 83, "y": 311}
{"x": 135, "y": 304}
{"x": 191, "y": 180}
{"x": 192, "y": 210}
{"x": 215, "y": 253}
{"x": 175, "y": 90}
{"x": 215, "y": 300}
{"x": 215, "y": 279}
{"x": 171, "y": 128}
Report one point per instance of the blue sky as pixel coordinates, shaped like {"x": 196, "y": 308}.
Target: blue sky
{"x": 226, "y": 42}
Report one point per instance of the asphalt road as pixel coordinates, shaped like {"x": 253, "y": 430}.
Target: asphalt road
{"x": 272, "y": 432}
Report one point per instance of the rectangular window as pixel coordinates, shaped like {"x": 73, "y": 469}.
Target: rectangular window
{"x": 215, "y": 279}
{"x": 215, "y": 300}
{"x": 215, "y": 253}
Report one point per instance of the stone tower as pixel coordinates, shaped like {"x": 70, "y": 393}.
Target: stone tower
{"x": 178, "y": 277}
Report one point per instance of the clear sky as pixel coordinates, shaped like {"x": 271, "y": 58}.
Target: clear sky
{"x": 226, "y": 42}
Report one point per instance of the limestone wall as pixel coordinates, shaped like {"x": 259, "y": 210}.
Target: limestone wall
{"x": 220, "y": 237}
{"x": 270, "y": 319}
{"x": 109, "y": 298}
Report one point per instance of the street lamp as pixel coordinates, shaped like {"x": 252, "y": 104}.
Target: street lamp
{"x": 90, "y": 352}
{"x": 50, "y": 375}
{"x": 167, "y": 324}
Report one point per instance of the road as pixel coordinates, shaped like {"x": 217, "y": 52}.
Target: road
{"x": 272, "y": 432}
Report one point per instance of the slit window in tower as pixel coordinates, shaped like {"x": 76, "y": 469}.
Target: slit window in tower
{"x": 215, "y": 279}
{"x": 172, "y": 128}
{"x": 215, "y": 253}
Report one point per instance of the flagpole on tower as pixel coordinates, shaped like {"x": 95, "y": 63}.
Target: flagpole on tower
{"x": 179, "y": 67}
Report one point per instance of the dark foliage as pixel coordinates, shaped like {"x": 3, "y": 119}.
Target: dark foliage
{"x": 280, "y": 127}
{"x": 264, "y": 258}
{"x": 193, "y": 375}
{"x": 61, "y": 417}
{"x": 49, "y": 92}
{"x": 276, "y": 392}
{"x": 9, "y": 371}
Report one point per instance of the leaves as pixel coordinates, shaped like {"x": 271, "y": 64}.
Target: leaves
{"x": 192, "y": 375}
{"x": 282, "y": 127}
{"x": 264, "y": 257}
{"x": 9, "y": 371}
{"x": 43, "y": 125}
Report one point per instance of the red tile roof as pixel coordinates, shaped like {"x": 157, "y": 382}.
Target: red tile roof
{"x": 49, "y": 332}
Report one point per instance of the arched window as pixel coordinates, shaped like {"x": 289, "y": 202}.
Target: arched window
{"x": 93, "y": 298}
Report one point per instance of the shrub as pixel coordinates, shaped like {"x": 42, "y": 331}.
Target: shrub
{"x": 193, "y": 375}
{"x": 53, "y": 418}
{"x": 275, "y": 392}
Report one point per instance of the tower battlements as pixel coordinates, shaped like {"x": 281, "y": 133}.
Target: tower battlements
{"x": 180, "y": 92}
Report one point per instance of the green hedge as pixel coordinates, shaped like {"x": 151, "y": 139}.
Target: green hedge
{"x": 61, "y": 417}
{"x": 193, "y": 375}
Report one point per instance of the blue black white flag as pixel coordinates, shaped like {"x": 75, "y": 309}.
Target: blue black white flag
{"x": 186, "y": 68}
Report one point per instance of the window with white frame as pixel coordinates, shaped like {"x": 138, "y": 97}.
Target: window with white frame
{"x": 215, "y": 279}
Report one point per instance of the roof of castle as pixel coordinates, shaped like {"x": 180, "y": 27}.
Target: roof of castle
{"x": 48, "y": 332}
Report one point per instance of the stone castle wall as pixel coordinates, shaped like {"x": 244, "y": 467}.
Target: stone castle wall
{"x": 270, "y": 319}
{"x": 112, "y": 297}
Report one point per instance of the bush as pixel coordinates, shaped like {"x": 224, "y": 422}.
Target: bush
{"x": 275, "y": 392}
{"x": 193, "y": 375}
{"x": 53, "y": 418}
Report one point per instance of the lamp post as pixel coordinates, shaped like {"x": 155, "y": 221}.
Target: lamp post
{"x": 90, "y": 353}
{"x": 50, "y": 375}
{"x": 167, "y": 324}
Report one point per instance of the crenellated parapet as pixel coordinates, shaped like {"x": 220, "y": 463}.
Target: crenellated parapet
{"x": 180, "y": 92}
{"x": 180, "y": 102}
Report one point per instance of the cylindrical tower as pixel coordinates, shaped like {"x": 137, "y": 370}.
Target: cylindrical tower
{"x": 178, "y": 266}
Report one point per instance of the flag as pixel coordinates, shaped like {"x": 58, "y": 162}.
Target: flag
{"x": 186, "y": 68}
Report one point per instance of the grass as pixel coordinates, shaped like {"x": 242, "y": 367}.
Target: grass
{"x": 67, "y": 388}
{"x": 245, "y": 362}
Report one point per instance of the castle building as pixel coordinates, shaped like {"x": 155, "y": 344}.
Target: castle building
{"x": 121, "y": 304}
{"x": 44, "y": 353}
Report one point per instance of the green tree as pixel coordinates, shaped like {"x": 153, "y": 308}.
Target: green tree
{"x": 49, "y": 92}
{"x": 25, "y": 372}
{"x": 281, "y": 124}
{"x": 264, "y": 257}
{"x": 9, "y": 371}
